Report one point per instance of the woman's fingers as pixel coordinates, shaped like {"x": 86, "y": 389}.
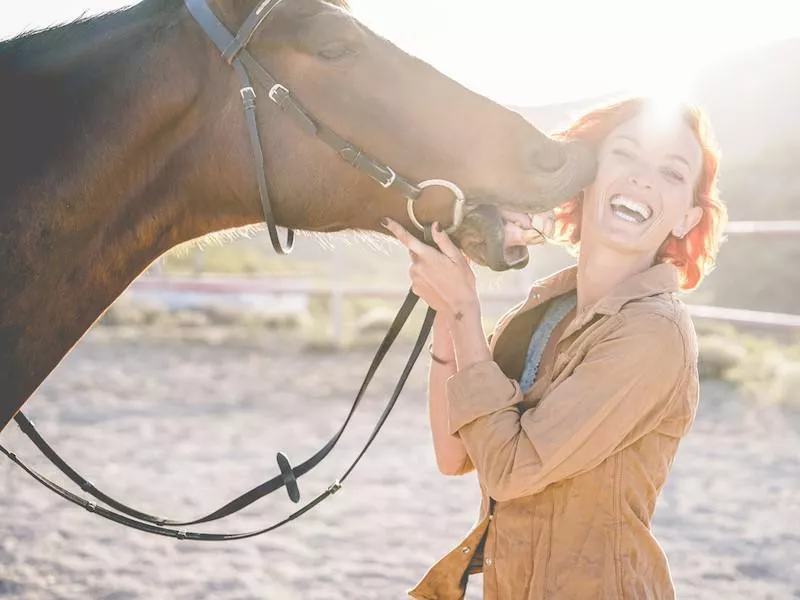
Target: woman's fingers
{"x": 419, "y": 249}
{"x": 446, "y": 245}
{"x": 544, "y": 223}
{"x": 440, "y": 277}
{"x": 516, "y": 235}
{"x": 522, "y": 220}
{"x": 405, "y": 238}
{"x": 527, "y": 230}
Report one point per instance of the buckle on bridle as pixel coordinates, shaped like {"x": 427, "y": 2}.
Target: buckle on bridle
{"x": 390, "y": 181}
{"x": 248, "y": 97}
{"x": 273, "y": 92}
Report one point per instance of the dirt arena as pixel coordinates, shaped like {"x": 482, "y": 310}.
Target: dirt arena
{"x": 178, "y": 427}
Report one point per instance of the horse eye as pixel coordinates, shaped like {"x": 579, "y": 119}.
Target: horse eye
{"x": 336, "y": 50}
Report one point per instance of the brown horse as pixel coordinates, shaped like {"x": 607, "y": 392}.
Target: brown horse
{"x": 123, "y": 136}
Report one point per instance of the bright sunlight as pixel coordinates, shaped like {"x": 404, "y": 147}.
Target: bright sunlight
{"x": 534, "y": 53}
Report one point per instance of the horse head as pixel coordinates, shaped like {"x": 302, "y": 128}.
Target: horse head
{"x": 389, "y": 109}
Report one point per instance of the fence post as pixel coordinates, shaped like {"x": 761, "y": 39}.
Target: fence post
{"x": 337, "y": 301}
{"x": 337, "y": 314}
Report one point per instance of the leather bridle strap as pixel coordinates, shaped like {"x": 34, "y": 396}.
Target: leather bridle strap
{"x": 282, "y": 97}
{"x": 223, "y": 40}
{"x": 248, "y": 29}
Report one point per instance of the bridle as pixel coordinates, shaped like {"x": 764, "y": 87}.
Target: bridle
{"x": 234, "y": 51}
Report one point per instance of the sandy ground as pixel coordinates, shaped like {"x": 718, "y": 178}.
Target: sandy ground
{"x": 179, "y": 428}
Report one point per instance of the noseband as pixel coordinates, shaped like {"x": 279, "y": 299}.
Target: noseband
{"x": 233, "y": 49}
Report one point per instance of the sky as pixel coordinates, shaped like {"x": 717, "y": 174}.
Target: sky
{"x": 529, "y": 52}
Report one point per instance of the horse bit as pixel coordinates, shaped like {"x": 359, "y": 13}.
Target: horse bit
{"x": 234, "y": 51}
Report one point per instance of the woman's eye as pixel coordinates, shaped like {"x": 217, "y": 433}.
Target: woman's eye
{"x": 674, "y": 175}
{"x": 622, "y": 152}
{"x": 335, "y": 51}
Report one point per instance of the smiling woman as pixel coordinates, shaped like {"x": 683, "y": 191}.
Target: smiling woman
{"x": 573, "y": 412}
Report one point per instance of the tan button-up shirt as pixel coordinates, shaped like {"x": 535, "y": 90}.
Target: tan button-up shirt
{"x": 570, "y": 471}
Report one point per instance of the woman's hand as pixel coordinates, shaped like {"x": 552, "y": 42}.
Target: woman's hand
{"x": 443, "y": 277}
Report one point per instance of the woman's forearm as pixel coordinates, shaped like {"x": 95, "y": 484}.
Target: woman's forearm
{"x": 450, "y": 453}
{"x": 469, "y": 339}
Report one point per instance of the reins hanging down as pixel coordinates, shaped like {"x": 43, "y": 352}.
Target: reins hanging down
{"x": 142, "y": 521}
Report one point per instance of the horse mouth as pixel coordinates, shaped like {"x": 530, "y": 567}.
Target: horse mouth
{"x": 482, "y": 235}
{"x": 482, "y": 238}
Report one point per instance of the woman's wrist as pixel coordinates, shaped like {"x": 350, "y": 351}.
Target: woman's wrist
{"x": 466, "y": 311}
{"x": 441, "y": 347}
{"x": 469, "y": 339}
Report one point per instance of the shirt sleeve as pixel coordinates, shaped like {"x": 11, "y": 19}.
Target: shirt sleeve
{"x": 620, "y": 391}
{"x": 466, "y": 467}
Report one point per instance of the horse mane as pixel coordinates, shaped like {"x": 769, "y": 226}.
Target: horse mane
{"x": 29, "y": 42}
{"x": 48, "y": 94}
{"x": 27, "y": 45}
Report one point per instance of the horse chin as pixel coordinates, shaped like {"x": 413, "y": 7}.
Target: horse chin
{"x": 482, "y": 238}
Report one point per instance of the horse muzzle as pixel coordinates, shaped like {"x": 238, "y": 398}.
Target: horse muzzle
{"x": 482, "y": 236}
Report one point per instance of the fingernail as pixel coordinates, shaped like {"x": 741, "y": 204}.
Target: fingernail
{"x": 436, "y": 227}
{"x": 385, "y": 222}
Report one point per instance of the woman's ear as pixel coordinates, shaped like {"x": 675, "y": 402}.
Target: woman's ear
{"x": 690, "y": 219}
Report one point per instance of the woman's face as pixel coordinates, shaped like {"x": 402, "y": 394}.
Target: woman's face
{"x": 644, "y": 189}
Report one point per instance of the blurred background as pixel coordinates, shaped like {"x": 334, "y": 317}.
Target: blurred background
{"x": 223, "y": 353}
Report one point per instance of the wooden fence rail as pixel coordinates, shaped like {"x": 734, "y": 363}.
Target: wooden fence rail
{"x": 278, "y": 288}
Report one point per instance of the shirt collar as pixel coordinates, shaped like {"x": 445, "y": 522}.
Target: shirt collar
{"x": 658, "y": 279}
{"x": 661, "y": 278}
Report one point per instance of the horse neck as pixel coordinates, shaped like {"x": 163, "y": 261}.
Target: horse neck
{"x": 99, "y": 122}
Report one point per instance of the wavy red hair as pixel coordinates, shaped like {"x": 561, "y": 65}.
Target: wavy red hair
{"x": 695, "y": 254}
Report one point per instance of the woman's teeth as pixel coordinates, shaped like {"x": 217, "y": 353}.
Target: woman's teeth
{"x": 630, "y": 210}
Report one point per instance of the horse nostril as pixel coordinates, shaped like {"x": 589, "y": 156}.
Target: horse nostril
{"x": 549, "y": 157}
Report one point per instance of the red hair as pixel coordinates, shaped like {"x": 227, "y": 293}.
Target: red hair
{"x": 695, "y": 254}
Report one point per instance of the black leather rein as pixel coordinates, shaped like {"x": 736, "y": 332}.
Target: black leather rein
{"x": 142, "y": 521}
{"x": 234, "y": 51}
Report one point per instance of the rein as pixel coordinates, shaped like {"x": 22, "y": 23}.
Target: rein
{"x": 233, "y": 49}
{"x": 142, "y": 521}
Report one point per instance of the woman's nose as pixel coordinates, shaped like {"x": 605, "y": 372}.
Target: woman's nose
{"x": 640, "y": 179}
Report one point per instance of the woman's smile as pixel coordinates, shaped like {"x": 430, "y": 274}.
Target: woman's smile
{"x": 629, "y": 209}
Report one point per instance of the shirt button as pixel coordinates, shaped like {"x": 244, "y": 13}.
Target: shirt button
{"x": 488, "y": 562}
{"x": 465, "y": 550}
